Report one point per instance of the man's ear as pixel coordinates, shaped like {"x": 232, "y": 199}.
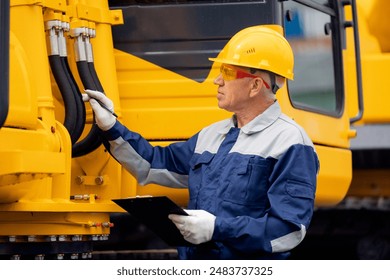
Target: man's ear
{"x": 257, "y": 85}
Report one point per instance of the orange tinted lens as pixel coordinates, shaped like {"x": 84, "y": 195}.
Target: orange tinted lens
{"x": 228, "y": 74}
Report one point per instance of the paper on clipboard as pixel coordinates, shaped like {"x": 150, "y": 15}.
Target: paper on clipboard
{"x": 153, "y": 212}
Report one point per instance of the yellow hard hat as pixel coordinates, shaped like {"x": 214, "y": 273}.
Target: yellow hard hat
{"x": 260, "y": 47}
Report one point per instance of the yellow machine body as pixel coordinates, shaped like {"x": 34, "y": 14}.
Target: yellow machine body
{"x": 46, "y": 194}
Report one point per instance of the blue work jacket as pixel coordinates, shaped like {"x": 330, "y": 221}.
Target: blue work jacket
{"x": 258, "y": 180}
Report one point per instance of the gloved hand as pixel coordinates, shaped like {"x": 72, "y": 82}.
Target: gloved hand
{"x": 196, "y": 228}
{"x": 104, "y": 119}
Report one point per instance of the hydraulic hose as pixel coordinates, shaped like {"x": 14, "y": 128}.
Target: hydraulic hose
{"x": 90, "y": 80}
{"x": 93, "y": 140}
{"x": 79, "y": 104}
{"x": 95, "y": 77}
{"x": 74, "y": 120}
{"x": 66, "y": 92}
{"x": 85, "y": 75}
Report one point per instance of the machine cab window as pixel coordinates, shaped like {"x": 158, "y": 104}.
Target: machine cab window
{"x": 315, "y": 86}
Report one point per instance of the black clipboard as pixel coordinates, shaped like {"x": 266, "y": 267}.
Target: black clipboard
{"x": 153, "y": 212}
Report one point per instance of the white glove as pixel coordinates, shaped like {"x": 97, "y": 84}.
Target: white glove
{"x": 103, "y": 116}
{"x": 196, "y": 228}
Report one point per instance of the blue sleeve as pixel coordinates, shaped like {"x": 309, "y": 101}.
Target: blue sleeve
{"x": 291, "y": 194}
{"x": 168, "y": 166}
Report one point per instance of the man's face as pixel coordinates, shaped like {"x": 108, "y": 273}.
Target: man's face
{"x": 233, "y": 93}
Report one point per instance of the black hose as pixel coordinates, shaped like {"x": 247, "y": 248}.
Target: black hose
{"x": 66, "y": 90}
{"x": 93, "y": 140}
{"x": 85, "y": 75}
{"x": 94, "y": 76}
{"x": 79, "y": 104}
{"x": 4, "y": 63}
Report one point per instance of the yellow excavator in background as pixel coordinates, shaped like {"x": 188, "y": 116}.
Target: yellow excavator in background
{"x": 57, "y": 181}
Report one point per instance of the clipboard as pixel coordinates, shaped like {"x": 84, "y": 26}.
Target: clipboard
{"x": 153, "y": 212}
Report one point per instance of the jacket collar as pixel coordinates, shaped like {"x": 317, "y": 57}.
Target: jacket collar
{"x": 259, "y": 123}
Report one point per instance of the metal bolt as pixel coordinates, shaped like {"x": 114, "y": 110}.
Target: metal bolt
{"x": 52, "y": 238}
{"x": 40, "y": 257}
{"x": 107, "y": 225}
{"x": 31, "y": 238}
{"x": 95, "y": 237}
{"x": 79, "y": 180}
{"x": 99, "y": 180}
{"x": 62, "y": 238}
{"x": 77, "y": 238}
{"x": 15, "y": 257}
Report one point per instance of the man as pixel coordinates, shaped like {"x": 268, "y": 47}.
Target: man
{"x": 251, "y": 178}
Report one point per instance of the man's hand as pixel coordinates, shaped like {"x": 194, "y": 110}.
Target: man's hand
{"x": 196, "y": 228}
{"x": 103, "y": 116}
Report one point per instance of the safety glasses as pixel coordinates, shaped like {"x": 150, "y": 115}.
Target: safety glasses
{"x": 230, "y": 73}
